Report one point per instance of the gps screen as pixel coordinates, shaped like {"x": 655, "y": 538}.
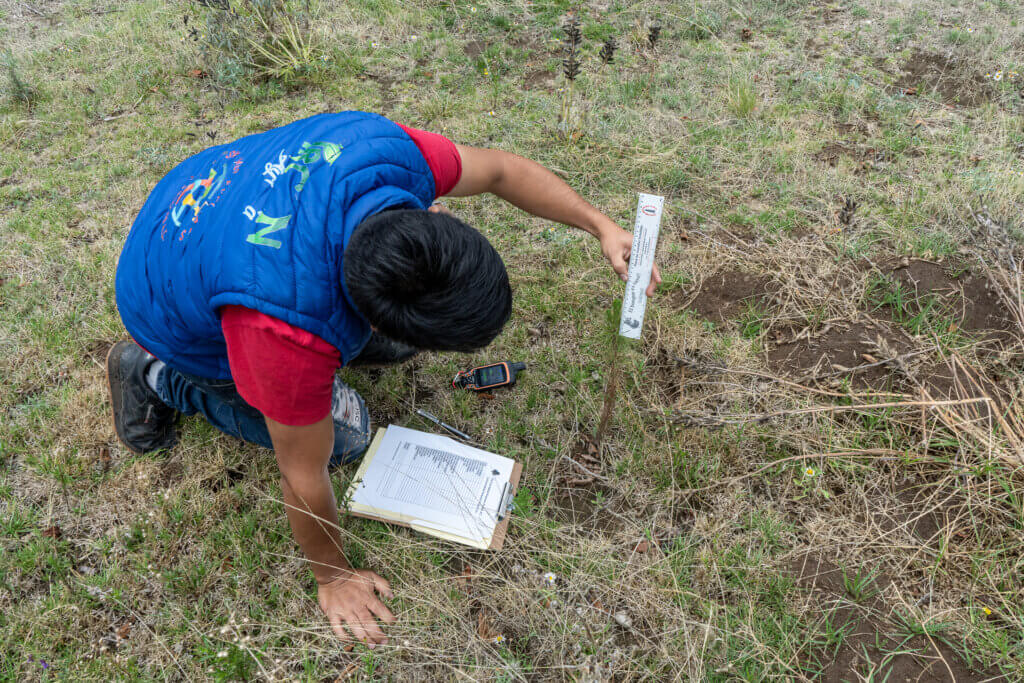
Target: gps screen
{"x": 494, "y": 374}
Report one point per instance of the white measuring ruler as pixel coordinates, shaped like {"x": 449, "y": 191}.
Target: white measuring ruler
{"x": 641, "y": 261}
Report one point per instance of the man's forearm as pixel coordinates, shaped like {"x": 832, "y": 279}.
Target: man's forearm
{"x": 313, "y": 515}
{"x": 302, "y": 455}
{"x": 533, "y": 188}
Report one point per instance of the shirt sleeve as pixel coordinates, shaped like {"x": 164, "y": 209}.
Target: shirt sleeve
{"x": 284, "y": 372}
{"x": 442, "y": 157}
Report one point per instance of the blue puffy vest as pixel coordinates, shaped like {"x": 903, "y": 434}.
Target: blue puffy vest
{"x": 263, "y": 222}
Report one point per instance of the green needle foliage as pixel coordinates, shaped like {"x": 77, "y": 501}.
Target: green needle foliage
{"x": 257, "y": 39}
{"x": 17, "y": 87}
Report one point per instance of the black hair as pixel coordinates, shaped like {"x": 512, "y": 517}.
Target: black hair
{"x": 428, "y": 280}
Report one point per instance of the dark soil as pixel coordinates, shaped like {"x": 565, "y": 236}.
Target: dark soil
{"x": 975, "y": 303}
{"x": 539, "y": 79}
{"x": 851, "y": 346}
{"x": 727, "y": 294}
{"x": 832, "y": 152}
{"x": 668, "y": 376}
{"x": 475, "y": 48}
{"x": 388, "y": 100}
{"x": 871, "y": 638}
{"x": 577, "y": 506}
{"x": 859, "y": 128}
{"x": 231, "y": 476}
{"x": 533, "y": 42}
{"x": 97, "y": 351}
{"x": 926, "y": 511}
{"x": 930, "y": 513}
{"x": 952, "y": 80}
{"x": 172, "y": 471}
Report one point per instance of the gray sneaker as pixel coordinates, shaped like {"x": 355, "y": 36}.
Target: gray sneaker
{"x": 351, "y": 424}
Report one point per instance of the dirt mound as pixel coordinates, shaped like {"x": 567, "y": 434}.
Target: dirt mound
{"x": 585, "y": 508}
{"x": 539, "y": 79}
{"x": 727, "y": 294}
{"x": 872, "y": 643}
{"x": 834, "y": 350}
{"x": 475, "y": 48}
{"x": 948, "y": 78}
{"x": 975, "y": 303}
{"x": 668, "y": 376}
{"x": 832, "y": 152}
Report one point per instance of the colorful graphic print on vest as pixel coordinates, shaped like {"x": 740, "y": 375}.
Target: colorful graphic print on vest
{"x": 198, "y": 194}
{"x": 307, "y": 155}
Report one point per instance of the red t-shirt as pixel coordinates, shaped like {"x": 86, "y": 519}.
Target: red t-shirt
{"x": 288, "y": 373}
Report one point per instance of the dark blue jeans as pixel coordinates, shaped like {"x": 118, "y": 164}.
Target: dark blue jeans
{"x": 220, "y": 403}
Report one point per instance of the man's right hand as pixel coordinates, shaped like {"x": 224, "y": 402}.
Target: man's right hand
{"x": 350, "y": 600}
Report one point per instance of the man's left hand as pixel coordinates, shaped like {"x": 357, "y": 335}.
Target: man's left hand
{"x": 616, "y": 244}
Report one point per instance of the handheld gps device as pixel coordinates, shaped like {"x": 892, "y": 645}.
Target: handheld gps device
{"x": 488, "y": 377}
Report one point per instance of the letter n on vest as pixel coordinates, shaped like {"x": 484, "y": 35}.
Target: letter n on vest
{"x": 273, "y": 225}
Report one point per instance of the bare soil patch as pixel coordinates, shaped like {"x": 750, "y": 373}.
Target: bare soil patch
{"x": 839, "y": 348}
{"x": 585, "y": 507}
{"x": 539, "y": 79}
{"x": 872, "y": 639}
{"x": 978, "y": 303}
{"x": 928, "y": 512}
{"x": 864, "y": 155}
{"x": 951, "y": 79}
{"x": 475, "y": 48}
{"x": 727, "y": 294}
{"x": 97, "y": 351}
{"x": 668, "y": 376}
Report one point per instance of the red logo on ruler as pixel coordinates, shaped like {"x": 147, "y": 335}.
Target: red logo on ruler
{"x": 649, "y": 209}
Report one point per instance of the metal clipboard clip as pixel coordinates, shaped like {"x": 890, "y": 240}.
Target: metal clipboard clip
{"x": 506, "y": 502}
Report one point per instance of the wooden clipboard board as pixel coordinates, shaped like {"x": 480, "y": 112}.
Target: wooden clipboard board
{"x": 497, "y": 539}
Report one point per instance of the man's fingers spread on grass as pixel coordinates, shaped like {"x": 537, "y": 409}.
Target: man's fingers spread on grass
{"x": 382, "y": 585}
{"x": 373, "y": 632}
{"x": 337, "y": 627}
{"x": 382, "y": 611}
{"x": 355, "y": 625}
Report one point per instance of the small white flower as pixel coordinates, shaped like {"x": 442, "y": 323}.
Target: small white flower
{"x": 998, "y": 76}
{"x": 222, "y": 654}
{"x": 550, "y": 577}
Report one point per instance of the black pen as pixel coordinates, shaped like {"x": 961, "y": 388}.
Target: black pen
{"x": 444, "y": 425}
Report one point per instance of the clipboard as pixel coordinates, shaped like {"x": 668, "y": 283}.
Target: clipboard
{"x": 500, "y": 530}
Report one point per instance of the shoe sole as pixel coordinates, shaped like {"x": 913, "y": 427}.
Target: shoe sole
{"x": 114, "y": 384}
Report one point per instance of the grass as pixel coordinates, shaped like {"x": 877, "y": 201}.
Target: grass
{"x": 120, "y": 567}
